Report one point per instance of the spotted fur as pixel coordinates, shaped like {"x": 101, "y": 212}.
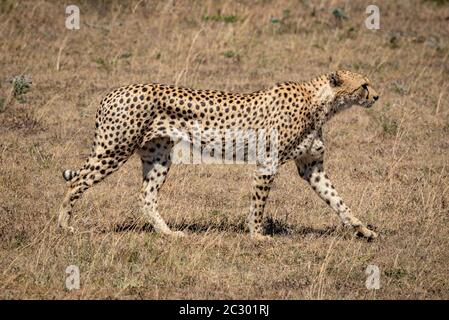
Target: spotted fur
{"x": 145, "y": 119}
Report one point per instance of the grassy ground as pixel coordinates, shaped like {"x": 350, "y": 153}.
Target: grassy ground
{"x": 390, "y": 163}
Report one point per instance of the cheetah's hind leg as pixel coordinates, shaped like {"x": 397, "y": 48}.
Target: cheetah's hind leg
{"x": 96, "y": 168}
{"x": 155, "y": 156}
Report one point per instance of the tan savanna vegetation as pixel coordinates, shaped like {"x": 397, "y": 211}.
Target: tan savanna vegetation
{"x": 389, "y": 163}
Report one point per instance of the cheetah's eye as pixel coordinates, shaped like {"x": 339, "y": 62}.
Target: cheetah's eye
{"x": 365, "y": 86}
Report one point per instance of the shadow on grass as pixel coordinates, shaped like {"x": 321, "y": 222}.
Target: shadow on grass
{"x": 271, "y": 226}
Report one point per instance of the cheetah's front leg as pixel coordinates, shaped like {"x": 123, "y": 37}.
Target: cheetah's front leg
{"x": 260, "y": 190}
{"x": 313, "y": 173}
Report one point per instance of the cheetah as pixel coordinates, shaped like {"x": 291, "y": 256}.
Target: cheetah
{"x": 145, "y": 119}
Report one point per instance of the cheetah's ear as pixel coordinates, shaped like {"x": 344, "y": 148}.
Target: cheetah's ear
{"x": 334, "y": 79}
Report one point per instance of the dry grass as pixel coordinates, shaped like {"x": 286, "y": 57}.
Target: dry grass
{"x": 390, "y": 164}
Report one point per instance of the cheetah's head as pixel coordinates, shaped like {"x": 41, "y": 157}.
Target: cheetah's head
{"x": 352, "y": 89}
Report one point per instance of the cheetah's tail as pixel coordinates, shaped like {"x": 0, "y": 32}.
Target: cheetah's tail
{"x": 70, "y": 174}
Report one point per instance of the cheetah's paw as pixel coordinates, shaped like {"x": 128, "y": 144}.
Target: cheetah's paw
{"x": 366, "y": 233}
{"x": 261, "y": 237}
{"x": 66, "y": 229}
{"x": 177, "y": 234}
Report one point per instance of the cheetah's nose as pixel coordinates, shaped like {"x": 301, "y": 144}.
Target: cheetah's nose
{"x": 376, "y": 98}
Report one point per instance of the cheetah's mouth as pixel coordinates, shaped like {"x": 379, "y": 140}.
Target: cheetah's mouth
{"x": 368, "y": 104}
